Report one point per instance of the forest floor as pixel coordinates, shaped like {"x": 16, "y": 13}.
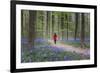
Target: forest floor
{"x": 70, "y": 48}
{"x": 46, "y": 50}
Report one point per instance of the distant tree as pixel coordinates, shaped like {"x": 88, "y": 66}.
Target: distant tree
{"x": 67, "y": 25}
{"x": 22, "y": 22}
{"x": 51, "y": 24}
{"x": 45, "y": 23}
{"x": 82, "y": 36}
{"x": 62, "y": 26}
{"x": 32, "y": 23}
{"x": 76, "y": 24}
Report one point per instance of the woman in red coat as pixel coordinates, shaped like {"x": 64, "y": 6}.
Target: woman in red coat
{"x": 55, "y": 37}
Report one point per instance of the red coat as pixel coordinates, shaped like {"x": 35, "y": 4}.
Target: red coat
{"x": 54, "y": 37}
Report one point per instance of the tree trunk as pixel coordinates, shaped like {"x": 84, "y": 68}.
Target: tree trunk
{"x": 22, "y": 22}
{"x": 45, "y": 24}
{"x": 76, "y": 25}
{"x": 82, "y": 29}
{"x": 67, "y": 24}
{"x": 62, "y": 25}
{"x": 32, "y": 23}
{"x": 51, "y": 25}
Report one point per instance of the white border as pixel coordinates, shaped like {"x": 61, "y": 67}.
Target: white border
{"x": 20, "y": 65}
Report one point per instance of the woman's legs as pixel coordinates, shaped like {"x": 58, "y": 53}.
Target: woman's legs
{"x": 55, "y": 41}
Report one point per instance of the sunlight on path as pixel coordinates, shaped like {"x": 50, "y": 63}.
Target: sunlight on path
{"x": 70, "y": 48}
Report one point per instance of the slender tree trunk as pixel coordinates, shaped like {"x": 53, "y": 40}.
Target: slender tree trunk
{"x": 50, "y": 24}
{"x": 62, "y": 25}
{"x": 45, "y": 24}
{"x": 36, "y": 25}
{"x": 82, "y": 29}
{"x": 22, "y": 22}
{"x": 42, "y": 30}
{"x": 32, "y": 23}
{"x": 67, "y": 24}
{"x": 76, "y": 25}
{"x": 59, "y": 22}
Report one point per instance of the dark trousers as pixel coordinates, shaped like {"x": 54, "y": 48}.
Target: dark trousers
{"x": 55, "y": 41}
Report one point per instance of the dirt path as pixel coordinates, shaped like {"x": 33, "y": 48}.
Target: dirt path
{"x": 70, "y": 48}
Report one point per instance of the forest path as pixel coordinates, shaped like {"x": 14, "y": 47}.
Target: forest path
{"x": 66, "y": 47}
